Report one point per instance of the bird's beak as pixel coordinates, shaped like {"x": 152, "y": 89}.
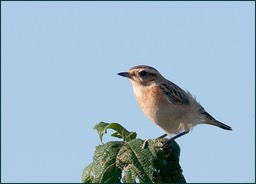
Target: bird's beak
{"x": 125, "y": 74}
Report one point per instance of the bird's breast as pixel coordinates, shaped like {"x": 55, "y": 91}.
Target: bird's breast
{"x": 152, "y": 101}
{"x": 160, "y": 110}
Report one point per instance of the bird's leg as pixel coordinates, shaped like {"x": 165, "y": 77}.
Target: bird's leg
{"x": 145, "y": 143}
{"x": 175, "y": 137}
{"x": 162, "y": 136}
{"x": 179, "y": 135}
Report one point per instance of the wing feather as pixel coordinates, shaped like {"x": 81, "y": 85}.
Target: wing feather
{"x": 174, "y": 93}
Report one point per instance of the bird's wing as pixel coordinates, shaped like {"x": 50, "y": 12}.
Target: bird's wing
{"x": 174, "y": 93}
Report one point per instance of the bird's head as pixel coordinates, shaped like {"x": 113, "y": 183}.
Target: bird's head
{"x": 142, "y": 75}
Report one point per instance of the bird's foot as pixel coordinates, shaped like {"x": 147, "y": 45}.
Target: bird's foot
{"x": 169, "y": 141}
{"x": 145, "y": 143}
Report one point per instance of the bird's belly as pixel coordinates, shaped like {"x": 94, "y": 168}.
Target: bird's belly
{"x": 169, "y": 120}
{"x": 173, "y": 119}
{"x": 166, "y": 118}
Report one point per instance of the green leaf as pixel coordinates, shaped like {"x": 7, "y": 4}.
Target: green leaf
{"x": 128, "y": 162}
{"x": 101, "y": 129}
{"x": 136, "y": 162}
{"x": 120, "y": 131}
{"x": 104, "y": 160}
{"x": 117, "y": 135}
{"x": 87, "y": 176}
{"x": 103, "y": 169}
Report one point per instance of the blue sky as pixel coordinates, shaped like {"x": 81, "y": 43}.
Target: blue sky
{"x": 59, "y": 78}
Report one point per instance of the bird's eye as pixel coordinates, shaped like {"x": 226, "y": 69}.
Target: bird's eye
{"x": 143, "y": 73}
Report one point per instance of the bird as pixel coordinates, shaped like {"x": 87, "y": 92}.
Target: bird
{"x": 171, "y": 108}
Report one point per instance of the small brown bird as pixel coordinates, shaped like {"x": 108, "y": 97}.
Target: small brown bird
{"x": 166, "y": 104}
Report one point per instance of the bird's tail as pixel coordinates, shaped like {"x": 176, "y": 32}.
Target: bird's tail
{"x": 211, "y": 121}
{"x": 219, "y": 124}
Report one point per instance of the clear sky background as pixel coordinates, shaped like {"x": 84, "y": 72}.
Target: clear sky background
{"x": 59, "y": 78}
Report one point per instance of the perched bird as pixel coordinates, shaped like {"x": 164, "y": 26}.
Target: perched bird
{"x": 166, "y": 104}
